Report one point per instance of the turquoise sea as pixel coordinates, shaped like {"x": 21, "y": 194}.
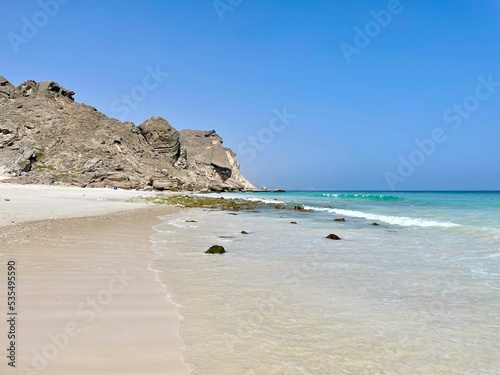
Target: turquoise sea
{"x": 417, "y": 294}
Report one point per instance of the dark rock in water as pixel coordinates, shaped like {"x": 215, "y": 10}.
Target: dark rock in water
{"x": 279, "y": 191}
{"x": 190, "y": 221}
{"x": 301, "y": 209}
{"x": 279, "y": 206}
{"x": 244, "y": 232}
{"x": 341, "y": 219}
{"x": 293, "y": 222}
{"x": 376, "y": 224}
{"x": 232, "y": 213}
{"x": 333, "y": 237}
{"x": 215, "y": 249}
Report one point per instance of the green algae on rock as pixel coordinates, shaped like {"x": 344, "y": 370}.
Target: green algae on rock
{"x": 204, "y": 202}
{"x": 215, "y": 249}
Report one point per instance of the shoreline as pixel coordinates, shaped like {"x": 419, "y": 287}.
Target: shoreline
{"x": 86, "y": 298}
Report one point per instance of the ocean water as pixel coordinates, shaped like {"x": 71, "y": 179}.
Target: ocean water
{"x": 417, "y": 294}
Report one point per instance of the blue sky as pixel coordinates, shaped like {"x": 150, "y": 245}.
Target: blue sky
{"x": 274, "y": 79}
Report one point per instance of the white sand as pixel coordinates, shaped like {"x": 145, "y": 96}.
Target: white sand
{"x": 67, "y": 275}
{"x": 21, "y": 203}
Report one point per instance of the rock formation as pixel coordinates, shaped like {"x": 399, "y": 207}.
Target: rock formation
{"x": 46, "y": 137}
{"x": 162, "y": 137}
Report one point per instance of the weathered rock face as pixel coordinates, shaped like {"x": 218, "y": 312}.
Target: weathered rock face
{"x": 46, "y": 137}
{"x": 203, "y": 156}
{"x": 162, "y": 137}
{"x": 6, "y": 88}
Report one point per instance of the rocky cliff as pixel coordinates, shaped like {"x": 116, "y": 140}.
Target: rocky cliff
{"x": 46, "y": 137}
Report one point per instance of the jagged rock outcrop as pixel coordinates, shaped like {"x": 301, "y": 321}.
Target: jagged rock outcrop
{"x": 6, "y": 88}
{"x": 46, "y": 137}
{"x": 51, "y": 88}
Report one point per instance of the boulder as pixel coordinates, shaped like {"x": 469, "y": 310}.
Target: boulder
{"x": 49, "y": 180}
{"x": 163, "y": 184}
{"x": 244, "y": 232}
{"x": 333, "y": 237}
{"x": 375, "y": 224}
{"x": 293, "y": 222}
{"x": 340, "y": 219}
{"x": 215, "y": 249}
{"x": 24, "y": 163}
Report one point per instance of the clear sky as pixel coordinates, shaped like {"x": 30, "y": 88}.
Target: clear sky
{"x": 324, "y": 94}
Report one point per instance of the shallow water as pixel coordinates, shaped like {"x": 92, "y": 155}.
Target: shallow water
{"x": 407, "y": 298}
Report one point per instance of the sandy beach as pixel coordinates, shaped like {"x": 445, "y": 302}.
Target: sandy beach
{"x": 86, "y": 300}
{"x": 93, "y": 267}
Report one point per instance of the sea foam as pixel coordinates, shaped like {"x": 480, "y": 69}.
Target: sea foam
{"x": 403, "y": 221}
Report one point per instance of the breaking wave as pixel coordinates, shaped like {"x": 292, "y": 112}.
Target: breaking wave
{"x": 368, "y": 197}
{"x": 403, "y": 221}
